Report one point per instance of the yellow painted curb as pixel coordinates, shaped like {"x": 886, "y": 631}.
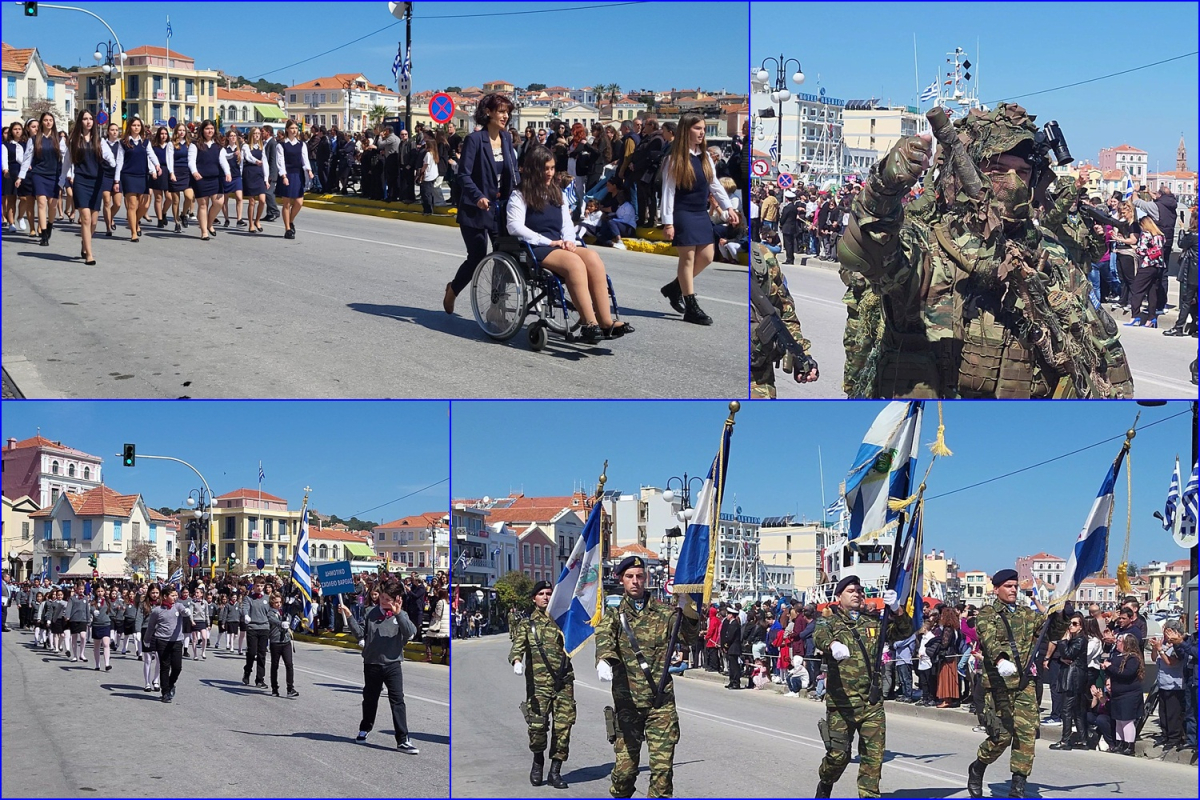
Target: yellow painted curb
{"x": 386, "y": 213}
{"x": 412, "y": 650}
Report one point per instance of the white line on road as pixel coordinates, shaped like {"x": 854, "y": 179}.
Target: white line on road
{"x": 1161, "y": 380}
{"x": 344, "y": 679}
{"x": 820, "y": 300}
{"x": 387, "y": 244}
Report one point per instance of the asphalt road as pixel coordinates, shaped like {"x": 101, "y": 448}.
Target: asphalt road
{"x": 70, "y": 731}
{"x": 750, "y": 744}
{"x": 1159, "y": 363}
{"x": 351, "y": 308}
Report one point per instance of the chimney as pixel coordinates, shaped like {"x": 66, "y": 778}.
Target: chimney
{"x": 12, "y": 443}
{"x": 942, "y": 555}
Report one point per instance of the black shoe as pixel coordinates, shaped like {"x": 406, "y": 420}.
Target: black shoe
{"x": 292, "y": 693}
{"x": 1017, "y": 787}
{"x": 616, "y": 331}
{"x": 162, "y": 223}
{"x": 275, "y": 692}
{"x": 674, "y": 295}
{"x": 49, "y": 230}
{"x": 241, "y": 223}
{"x": 178, "y": 227}
{"x": 362, "y": 736}
{"x": 246, "y": 679}
{"x": 166, "y": 698}
{"x": 590, "y": 334}
{"x": 185, "y": 222}
{"x": 975, "y": 778}
{"x": 535, "y": 772}
{"x": 289, "y": 234}
{"x": 693, "y": 313}
{"x": 554, "y": 778}
{"x": 1174, "y": 331}
{"x": 1062, "y": 745}
{"x": 260, "y": 685}
{"x": 226, "y": 223}
{"x": 823, "y": 789}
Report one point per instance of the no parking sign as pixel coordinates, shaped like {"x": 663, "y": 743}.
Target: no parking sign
{"x": 785, "y": 181}
{"x": 441, "y": 108}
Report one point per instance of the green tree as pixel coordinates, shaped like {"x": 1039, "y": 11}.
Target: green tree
{"x": 376, "y": 114}
{"x": 138, "y": 557}
{"x": 513, "y": 589}
{"x": 535, "y": 87}
{"x": 453, "y": 89}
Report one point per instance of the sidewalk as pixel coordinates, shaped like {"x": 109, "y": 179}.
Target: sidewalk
{"x": 413, "y": 651}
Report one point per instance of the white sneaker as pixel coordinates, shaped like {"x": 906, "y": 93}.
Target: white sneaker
{"x": 792, "y": 694}
{"x": 157, "y": 687}
{"x": 1102, "y": 745}
{"x": 618, "y": 244}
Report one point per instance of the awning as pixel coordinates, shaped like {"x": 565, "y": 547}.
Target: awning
{"x": 270, "y": 112}
{"x": 358, "y": 550}
{"x": 110, "y": 565}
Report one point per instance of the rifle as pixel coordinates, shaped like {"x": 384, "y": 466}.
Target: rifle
{"x": 770, "y": 332}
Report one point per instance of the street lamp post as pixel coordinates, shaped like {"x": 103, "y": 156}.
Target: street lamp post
{"x": 200, "y": 501}
{"x": 685, "y": 513}
{"x": 107, "y": 55}
{"x": 213, "y": 568}
{"x": 780, "y": 92}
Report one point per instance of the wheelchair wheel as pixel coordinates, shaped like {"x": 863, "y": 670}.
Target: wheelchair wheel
{"x": 537, "y": 336}
{"x": 498, "y": 296}
{"x": 550, "y": 311}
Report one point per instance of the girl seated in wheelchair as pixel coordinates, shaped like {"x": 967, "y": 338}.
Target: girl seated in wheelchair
{"x": 538, "y": 215}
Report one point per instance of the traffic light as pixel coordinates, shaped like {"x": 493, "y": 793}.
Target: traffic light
{"x": 92, "y": 561}
{"x": 124, "y": 117}
{"x": 212, "y": 555}
{"x": 129, "y": 454}
{"x": 31, "y": 9}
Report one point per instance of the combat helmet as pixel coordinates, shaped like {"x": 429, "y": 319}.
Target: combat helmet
{"x": 1005, "y": 128}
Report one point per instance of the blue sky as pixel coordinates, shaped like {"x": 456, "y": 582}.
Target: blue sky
{"x": 1022, "y": 47}
{"x": 354, "y": 455}
{"x": 450, "y": 47}
{"x": 543, "y": 447}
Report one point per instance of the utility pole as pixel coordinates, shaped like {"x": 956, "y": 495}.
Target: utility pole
{"x": 408, "y": 60}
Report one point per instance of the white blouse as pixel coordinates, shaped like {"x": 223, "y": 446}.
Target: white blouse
{"x": 668, "y": 189}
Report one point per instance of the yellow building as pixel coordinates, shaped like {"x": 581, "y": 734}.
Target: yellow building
{"x": 976, "y": 587}
{"x": 250, "y": 525}
{"x": 18, "y": 537}
{"x": 879, "y": 129}
{"x": 1166, "y": 582}
{"x": 782, "y": 543}
{"x": 159, "y": 85}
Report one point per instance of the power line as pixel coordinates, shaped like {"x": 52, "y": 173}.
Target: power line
{"x": 454, "y": 16}
{"x": 1056, "y": 458}
{"x": 398, "y": 499}
{"x": 1093, "y": 80}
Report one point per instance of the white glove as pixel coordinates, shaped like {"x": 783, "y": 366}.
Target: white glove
{"x": 891, "y": 599}
{"x": 247, "y": 619}
{"x": 1006, "y": 668}
{"x": 604, "y": 671}
{"x": 518, "y": 668}
{"x": 839, "y": 651}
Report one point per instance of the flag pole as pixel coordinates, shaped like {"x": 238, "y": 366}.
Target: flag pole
{"x": 168, "y": 72}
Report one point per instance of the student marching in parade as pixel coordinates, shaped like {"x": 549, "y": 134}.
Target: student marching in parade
{"x": 383, "y": 633}
{"x": 41, "y": 629}
{"x": 13, "y": 155}
{"x": 87, "y": 156}
{"x": 109, "y": 192}
{"x": 179, "y": 155}
{"x": 55, "y": 614}
{"x": 129, "y": 630}
{"x": 78, "y": 615}
{"x": 228, "y": 615}
{"x": 185, "y": 601}
{"x": 150, "y": 662}
{"x": 165, "y": 629}
{"x": 42, "y": 166}
{"x": 281, "y": 647}
{"x": 208, "y": 163}
{"x": 137, "y": 168}
{"x": 160, "y": 186}
{"x": 689, "y": 180}
{"x": 200, "y": 619}
{"x": 258, "y": 631}
{"x": 291, "y": 160}
{"x": 26, "y": 202}
{"x": 232, "y": 189}
{"x": 101, "y": 624}
{"x": 254, "y": 179}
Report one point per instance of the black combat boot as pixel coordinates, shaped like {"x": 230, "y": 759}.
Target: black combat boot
{"x": 535, "y": 772}
{"x": 1017, "y": 788}
{"x": 823, "y": 789}
{"x": 975, "y": 778}
{"x": 693, "y": 313}
{"x": 554, "y": 778}
{"x": 674, "y": 295}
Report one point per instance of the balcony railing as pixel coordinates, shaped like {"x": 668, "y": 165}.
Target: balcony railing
{"x": 59, "y": 544}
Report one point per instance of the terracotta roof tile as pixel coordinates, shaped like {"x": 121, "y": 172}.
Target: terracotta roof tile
{"x": 423, "y": 520}
{"x": 331, "y": 535}
{"x": 632, "y": 550}
{"x": 1045, "y": 557}
{"x": 17, "y": 59}
{"x": 42, "y": 441}
{"x": 250, "y": 494}
{"x": 100, "y": 502}
{"x": 1124, "y": 148}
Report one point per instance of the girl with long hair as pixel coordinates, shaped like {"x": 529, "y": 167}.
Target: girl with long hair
{"x": 165, "y": 629}
{"x": 55, "y": 614}
{"x": 27, "y": 203}
{"x": 1185, "y": 323}
{"x": 291, "y": 161}
{"x": 43, "y": 167}
{"x": 200, "y": 618}
{"x": 949, "y": 635}
{"x": 1071, "y": 654}
{"x": 14, "y": 154}
{"x": 101, "y": 625}
{"x": 109, "y": 191}
{"x": 40, "y": 626}
{"x": 129, "y": 631}
{"x": 538, "y": 215}
{"x": 1125, "y": 674}
{"x": 1148, "y": 245}
{"x": 429, "y": 172}
{"x": 233, "y": 154}
{"x": 78, "y": 616}
{"x": 180, "y": 153}
{"x": 254, "y": 179}
{"x": 689, "y": 180}
{"x": 160, "y": 185}
{"x": 208, "y": 162}
{"x": 150, "y": 662}
{"x": 138, "y": 167}
{"x": 86, "y": 158}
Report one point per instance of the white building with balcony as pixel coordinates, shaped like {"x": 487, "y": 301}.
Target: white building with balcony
{"x": 345, "y": 101}
{"x": 29, "y": 81}
{"x": 44, "y": 468}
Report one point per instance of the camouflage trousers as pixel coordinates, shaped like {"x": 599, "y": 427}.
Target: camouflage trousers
{"x": 841, "y": 725}
{"x": 551, "y": 715}
{"x": 1011, "y": 718}
{"x": 659, "y": 728}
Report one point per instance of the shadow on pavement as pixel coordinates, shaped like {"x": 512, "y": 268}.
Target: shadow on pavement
{"x": 922, "y": 757}
{"x": 325, "y": 737}
{"x": 49, "y": 256}
{"x": 140, "y": 695}
{"x": 233, "y": 687}
{"x": 341, "y": 687}
{"x": 599, "y": 772}
{"x": 942, "y": 791}
{"x": 432, "y": 738}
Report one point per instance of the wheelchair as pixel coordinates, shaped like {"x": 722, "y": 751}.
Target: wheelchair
{"x": 509, "y": 285}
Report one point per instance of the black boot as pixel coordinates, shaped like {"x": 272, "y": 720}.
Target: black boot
{"x": 554, "y": 778}
{"x": 674, "y": 295}
{"x": 1017, "y": 788}
{"x": 535, "y": 772}
{"x": 823, "y": 789}
{"x": 975, "y": 778}
{"x": 693, "y": 313}
{"x": 49, "y": 230}
{"x": 44, "y": 237}
{"x": 1062, "y": 744}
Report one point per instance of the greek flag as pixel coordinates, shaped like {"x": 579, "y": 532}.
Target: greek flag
{"x": 1087, "y": 558}
{"x": 697, "y": 556}
{"x": 168, "y": 27}
{"x": 774, "y": 152}
{"x": 397, "y": 63}
{"x": 931, "y": 91}
{"x": 1189, "y": 497}
{"x": 192, "y": 546}
{"x": 261, "y": 475}
{"x": 908, "y": 574}
{"x": 576, "y": 604}
{"x": 407, "y": 71}
{"x": 836, "y": 507}
{"x": 301, "y": 571}
{"x": 883, "y": 469}
{"x": 1172, "y": 499}
{"x": 1128, "y": 187}
{"x": 176, "y": 576}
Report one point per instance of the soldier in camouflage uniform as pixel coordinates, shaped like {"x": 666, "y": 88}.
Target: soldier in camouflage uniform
{"x": 975, "y": 300}
{"x": 1011, "y": 708}
{"x": 848, "y": 639}
{"x": 539, "y": 654}
{"x": 764, "y": 269}
{"x": 641, "y": 712}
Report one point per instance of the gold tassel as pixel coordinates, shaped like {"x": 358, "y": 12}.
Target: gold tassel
{"x": 901, "y": 503}
{"x": 938, "y": 448}
{"x": 1123, "y": 583}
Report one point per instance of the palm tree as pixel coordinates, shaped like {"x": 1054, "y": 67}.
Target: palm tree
{"x": 377, "y": 113}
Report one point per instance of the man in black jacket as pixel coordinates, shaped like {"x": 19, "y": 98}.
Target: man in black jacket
{"x": 789, "y": 226}
{"x": 1168, "y": 212}
{"x": 829, "y": 221}
{"x": 731, "y": 643}
{"x": 405, "y": 173}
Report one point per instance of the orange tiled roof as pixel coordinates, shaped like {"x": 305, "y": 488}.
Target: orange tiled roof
{"x": 17, "y": 59}
{"x": 99, "y": 502}
{"x": 632, "y": 550}
{"x": 423, "y": 520}
{"x": 152, "y": 50}
{"x": 1046, "y": 557}
{"x": 333, "y": 535}
{"x": 42, "y": 441}
{"x": 527, "y": 514}
{"x": 250, "y": 494}
{"x": 1124, "y": 148}
{"x": 246, "y": 96}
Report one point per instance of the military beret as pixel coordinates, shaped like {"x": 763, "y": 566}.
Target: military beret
{"x": 537, "y": 587}
{"x": 628, "y": 562}
{"x": 846, "y": 581}
{"x": 1004, "y": 576}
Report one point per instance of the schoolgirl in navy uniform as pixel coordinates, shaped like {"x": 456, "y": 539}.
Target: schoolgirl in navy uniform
{"x": 86, "y": 158}
{"x": 689, "y": 179}
{"x": 233, "y": 154}
{"x": 42, "y": 166}
{"x": 160, "y": 186}
{"x": 291, "y": 159}
{"x": 14, "y": 154}
{"x": 110, "y": 193}
{"x": 139, "y": 166}
{"x": 208, "y": 163}
{"x": 180, "y": 176}
{"x": 26, "y": 203}
{"x": 255, "y": 174}
{"x": 66, "y": 203}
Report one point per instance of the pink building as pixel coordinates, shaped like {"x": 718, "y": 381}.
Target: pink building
{"x": 42, "y": 469}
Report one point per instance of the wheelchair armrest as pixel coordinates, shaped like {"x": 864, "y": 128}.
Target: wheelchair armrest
{"x": 510, "y": 244}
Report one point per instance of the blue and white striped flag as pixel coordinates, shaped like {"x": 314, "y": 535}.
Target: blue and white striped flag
{"x": 406, "y": 72}
{"x": 176, "y": 576}
{"x": 1128, "y": 187}
{"x": 1091, "y": 546}
{"x": 1191, "y": 507}
{"x": 697, "y": 557}
{"x": 576, "y": 604}
{"x": 169, "y": 27}
{"x": 883, "y": 469}
{"x": 930, "y": 92}
{"x": 301, "y": 570}
{"x": 836, "y": 507}
{"x": 397, "y": 63}
{"x": 773, "y": 151}
{"x": 1172, "y": 499}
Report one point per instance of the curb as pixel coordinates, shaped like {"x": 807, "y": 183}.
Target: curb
{"x": 412, "y": 651}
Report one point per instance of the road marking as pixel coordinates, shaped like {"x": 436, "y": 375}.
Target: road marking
{"x": 820, "y": 300}
{"x": 344, "y": 679}
{"x": 1163, "y": 380}
{"x": 387, "y": 244}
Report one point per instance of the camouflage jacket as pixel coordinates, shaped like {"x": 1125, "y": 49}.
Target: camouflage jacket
{"x": 1083, "y": 245}
{"x": 526, "y": 635}
{"x": 651, "y": 625}
{"x": 994, "y": 643}
{"x": 764, "y": 267}
{"x": 848, "y": 682}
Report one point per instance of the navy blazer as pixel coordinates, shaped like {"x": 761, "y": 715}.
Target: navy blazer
{"x": 477, "y": 178}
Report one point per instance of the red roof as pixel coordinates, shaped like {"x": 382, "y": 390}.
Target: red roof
{"x": 99, "y": 502}
{"x": 427, "y": 519}
{"x": 249, "y": 494}
{"x": 334, "y": 535}
{"x": 531, "y": 515}
{"x": 632, "y": 550}
{"x": 42, "y": 441}
{"x": 1124, "y": 148}
{"x": 1046, "y": 557}
{"x": 248, "y": 96}
{"x": 17, "y": 60}
{"x": 153, "y": 50}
